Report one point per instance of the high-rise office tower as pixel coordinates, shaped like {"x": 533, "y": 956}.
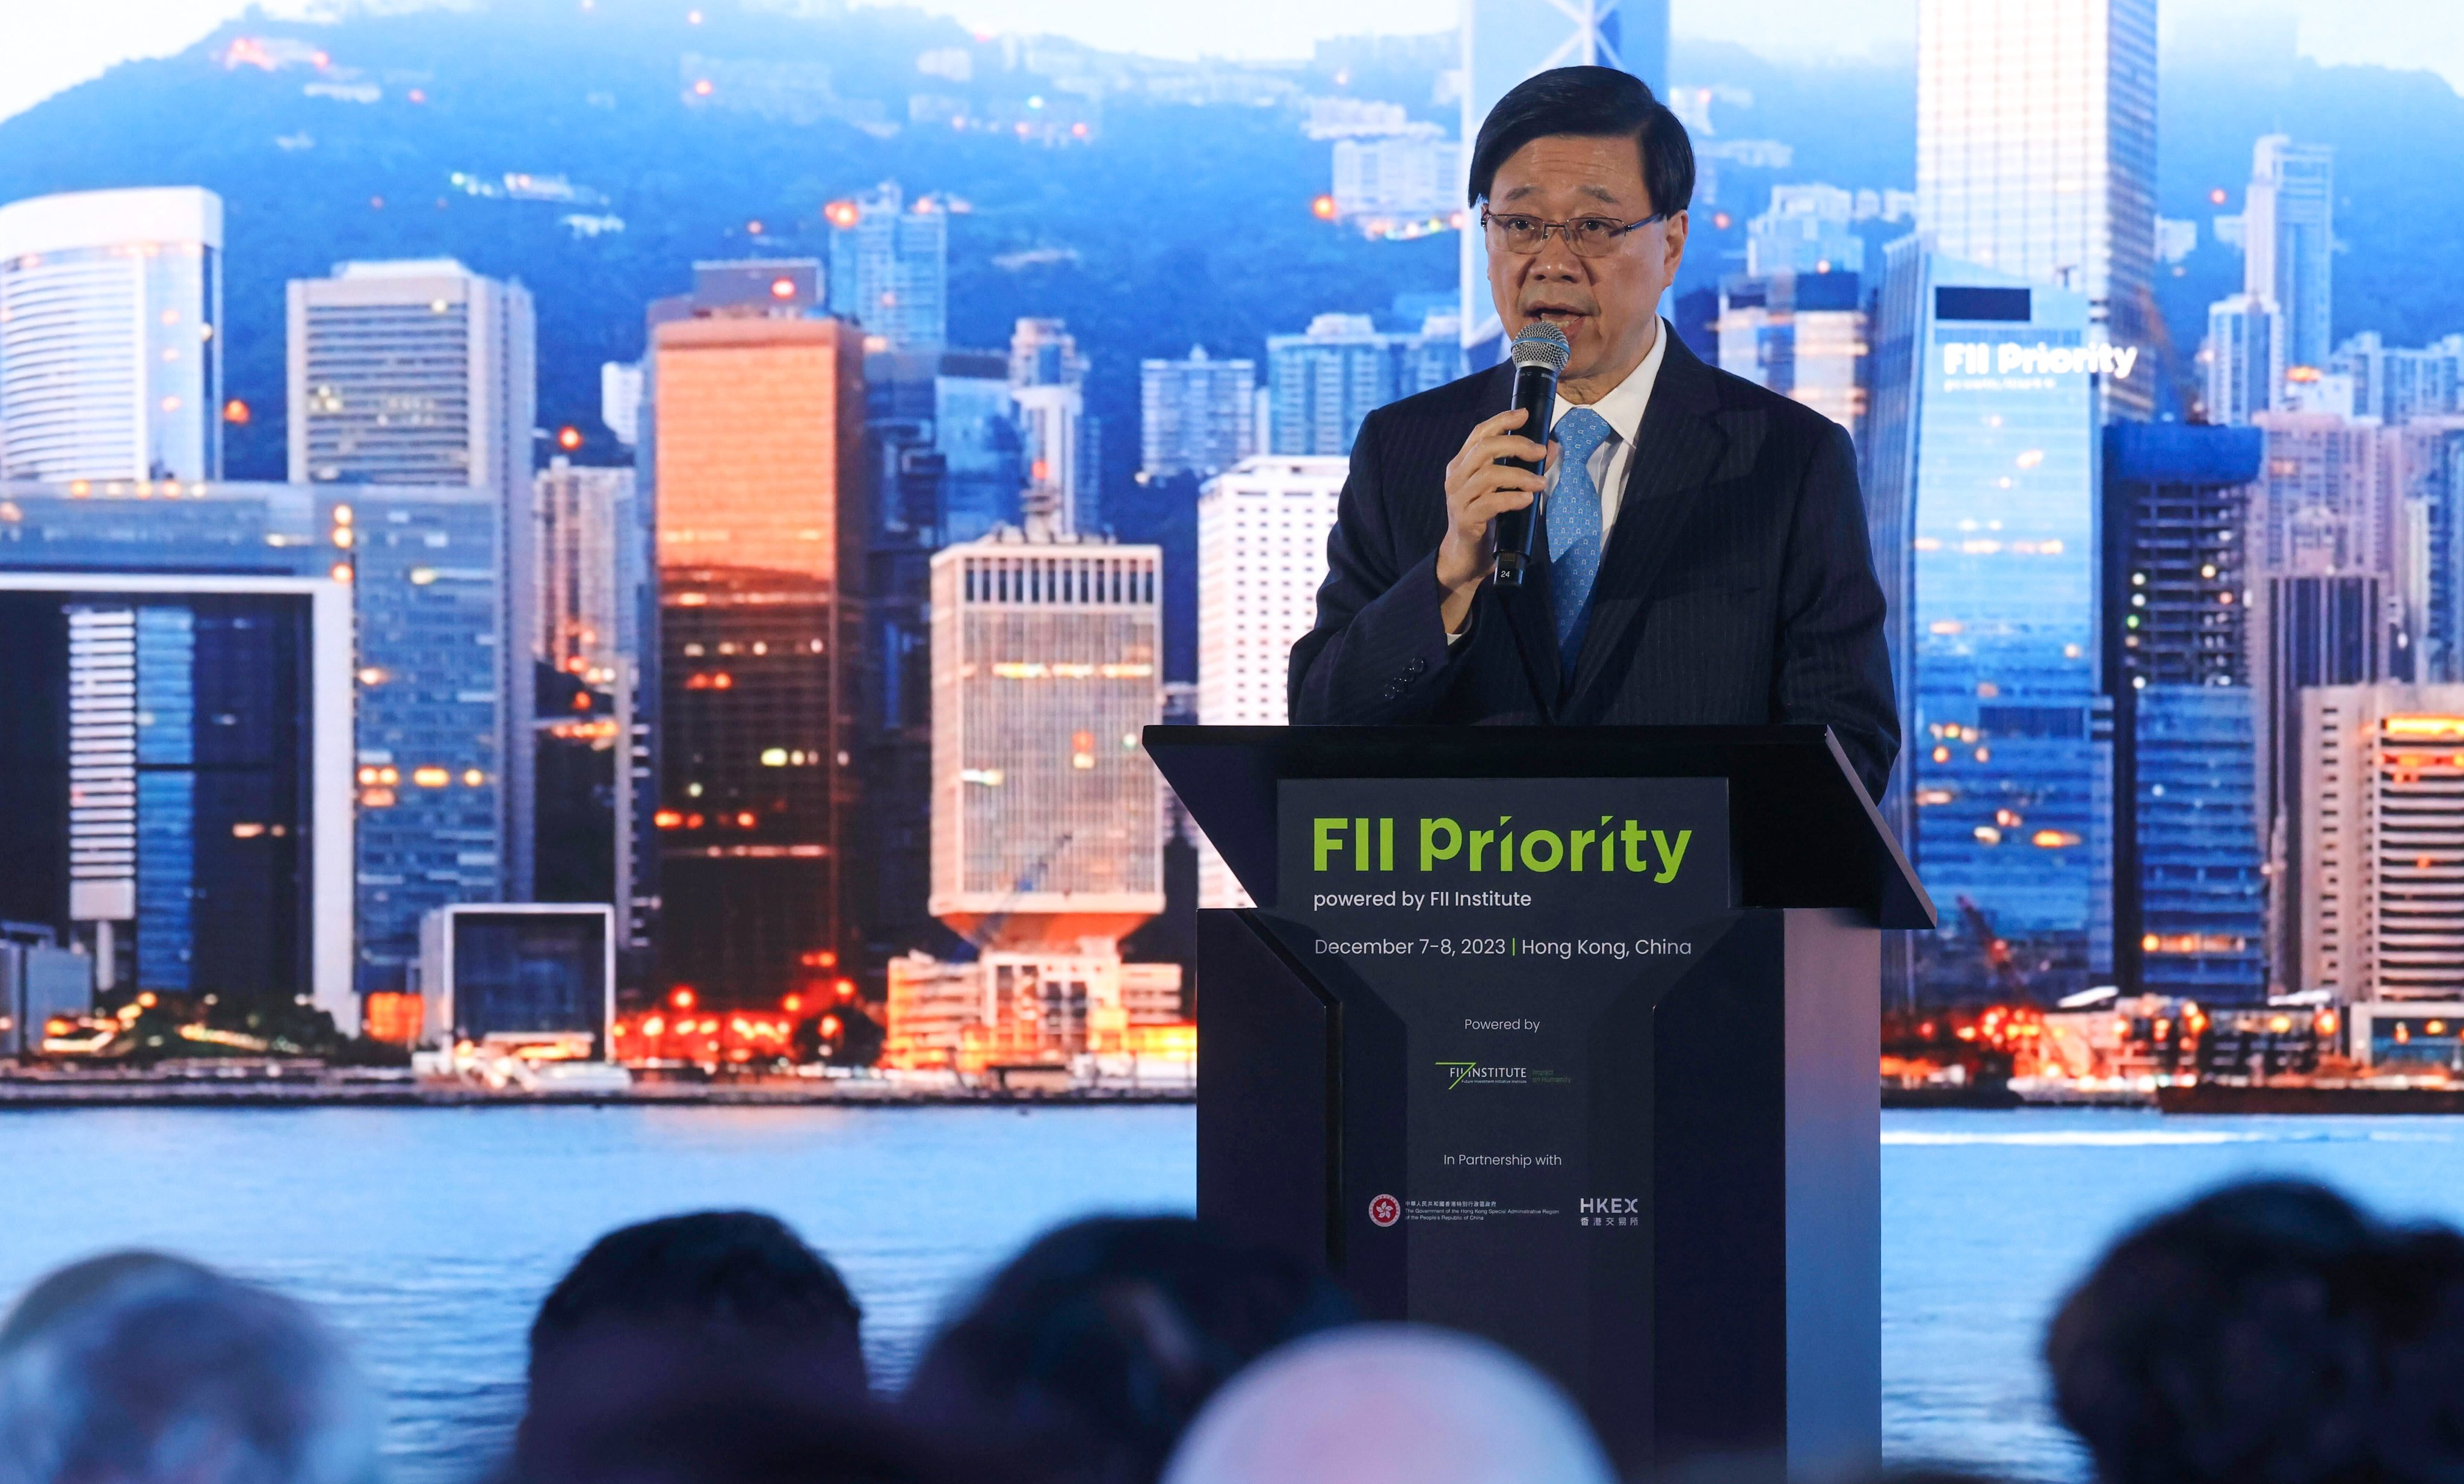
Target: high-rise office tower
{"x": 111, "y": 358}
{"x": 945, "y": 456}
{"x": 422, "y": 372}
{"x": 2189, "y": 897}
{"x": 438, "y": 739}
{"x": 889, "y": 266}
{"x": 2422, "y": 468}
{"x": 1047, "y": 818}
{"x": 2329, "y": 552}
{"x": 581, "y": 515}
{"x": 977, "y": 437}
{"x": 1262, "y": 530}
{"x": 1505, "y": 41}
{"x": 2397, "y": 386}
{"x": 1195, "y": 416}
{"x": 586, "y": 783}
{"x": 1323, "y": 383}
{"x": 2245, "y": 354}
{"x": 1981, "y": 462}
{"x": 1059, "y": 442}
{"x": 2036, "y": 154}
{"x": 2288, "y": 242}
{"x": 1799, "y": 334}
{"x": 2380, "y": 872}
{"x": 261, "y": 816}
{"x": 620, "y": 399}
{"x": 756, "y": 443}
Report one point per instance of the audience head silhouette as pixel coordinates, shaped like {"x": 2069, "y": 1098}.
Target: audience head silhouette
{"x": 728, "y": 1308}
{"x": 1086, "y": 1357}
{"x": 138, "y": 1368}
{"x": 1391, "y": 1404}
{"x": 2270, "y": 1333}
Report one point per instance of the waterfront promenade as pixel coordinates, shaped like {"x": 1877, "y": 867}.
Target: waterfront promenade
{"x": 231, "y": 1084}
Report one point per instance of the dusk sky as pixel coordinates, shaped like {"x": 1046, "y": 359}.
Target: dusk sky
{"x": 58, "y": 46}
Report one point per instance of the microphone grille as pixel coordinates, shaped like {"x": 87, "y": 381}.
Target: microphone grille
{"x": 1542, "y": 344}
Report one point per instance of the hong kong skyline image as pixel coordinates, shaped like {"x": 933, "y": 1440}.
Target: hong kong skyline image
{"x": 1680, "y": 716}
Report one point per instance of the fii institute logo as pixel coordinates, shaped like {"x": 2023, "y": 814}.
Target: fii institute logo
{"x": 1385, "y": 1210}
{"x": 1476, "y": 1075}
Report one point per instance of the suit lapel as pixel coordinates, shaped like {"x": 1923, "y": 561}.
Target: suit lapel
{"x": 1675, "y": 451}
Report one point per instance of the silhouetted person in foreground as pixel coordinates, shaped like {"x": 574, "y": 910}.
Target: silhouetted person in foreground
{"x": 711, "y": 1331}
{"x": 2270, "y": 1333}
{"x": 714, "y": 1431}
{"x": 139, "y": 1368}
{"x": 1086, "y": 1357}
{"x": 1391, "y": 1404}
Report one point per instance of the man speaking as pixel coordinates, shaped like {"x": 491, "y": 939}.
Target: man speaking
{"x": 1700, "y": 554}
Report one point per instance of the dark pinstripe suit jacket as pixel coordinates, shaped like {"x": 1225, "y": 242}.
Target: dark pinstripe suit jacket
{"x": 1737, "y": 586}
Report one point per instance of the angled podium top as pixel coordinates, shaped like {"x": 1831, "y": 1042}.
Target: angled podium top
{"x": 1801, "y": 828}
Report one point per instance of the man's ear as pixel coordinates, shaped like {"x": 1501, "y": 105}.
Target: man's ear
{"x": 1678, "y": 226}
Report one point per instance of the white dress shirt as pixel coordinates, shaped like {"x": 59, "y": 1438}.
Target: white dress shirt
{"x": 1623, "y": 408}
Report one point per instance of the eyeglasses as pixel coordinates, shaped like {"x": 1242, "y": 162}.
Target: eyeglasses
{"x": 1589, "y": 236}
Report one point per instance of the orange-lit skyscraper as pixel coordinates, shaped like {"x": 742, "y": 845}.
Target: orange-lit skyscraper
{"x": 755, "y": 452}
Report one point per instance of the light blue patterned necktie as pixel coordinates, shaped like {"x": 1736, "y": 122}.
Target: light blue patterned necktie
{"x": 1574, "y": 528}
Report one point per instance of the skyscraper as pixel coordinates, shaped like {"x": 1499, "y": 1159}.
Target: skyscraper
{"x": 110, "y": 317}
{"x": 1047, "y": 818}
{"x": 1195, "y": 416}
{"x": 2396, "y": 386}
{"x": 2288, "y": 242}
{"x": 1059, "y": 442}
{"x": 1981, "y": 460}
{"x": 227, "y": 624}
{"x": 1323, "y": 383}
{"x": 2189, "y": 897}
{"x": 2036, "y": 154}
{"x": 889, "y": 266}
{"x": 164, "y": 809}
{"x": 1505, "y": 41}
{"x": 945, "y": 467}
{"x": 754, "y": 432}
{"x": 2245, "y": 354}
{"x": 2380, "y": 873}
{"x": 2328, "y": 550}
{"x": 1262, "y": 529}
{"x": 438, "y": 738}
{"x": 2422, "y": 468}
{"x": 581, "y": 515}
{"x": 1799, "y": 334}
{"x": 422, "y": 372}
{"x": 586, "y": 784}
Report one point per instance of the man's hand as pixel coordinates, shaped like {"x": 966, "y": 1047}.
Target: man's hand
{"x": 1478, "y": 490}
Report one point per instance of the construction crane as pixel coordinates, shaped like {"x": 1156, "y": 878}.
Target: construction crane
{"x": 989, "y": 929}
{"x": 2003, "y": 973}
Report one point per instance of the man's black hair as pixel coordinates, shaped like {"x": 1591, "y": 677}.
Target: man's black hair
{"x": 1589, "y": 102}
{"x": 1087, "y": 1355}
{"x": 719, "y": 1270}
{"x": 2270, "y": 1333}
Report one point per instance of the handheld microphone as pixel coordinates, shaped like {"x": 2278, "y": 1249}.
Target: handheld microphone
{"x": 1540, "y": 353}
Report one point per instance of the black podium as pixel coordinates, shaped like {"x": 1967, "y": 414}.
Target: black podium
{"x": 1566, "y": 1038}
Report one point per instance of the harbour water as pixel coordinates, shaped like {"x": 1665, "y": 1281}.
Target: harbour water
{"x": 428, "y": 1235}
